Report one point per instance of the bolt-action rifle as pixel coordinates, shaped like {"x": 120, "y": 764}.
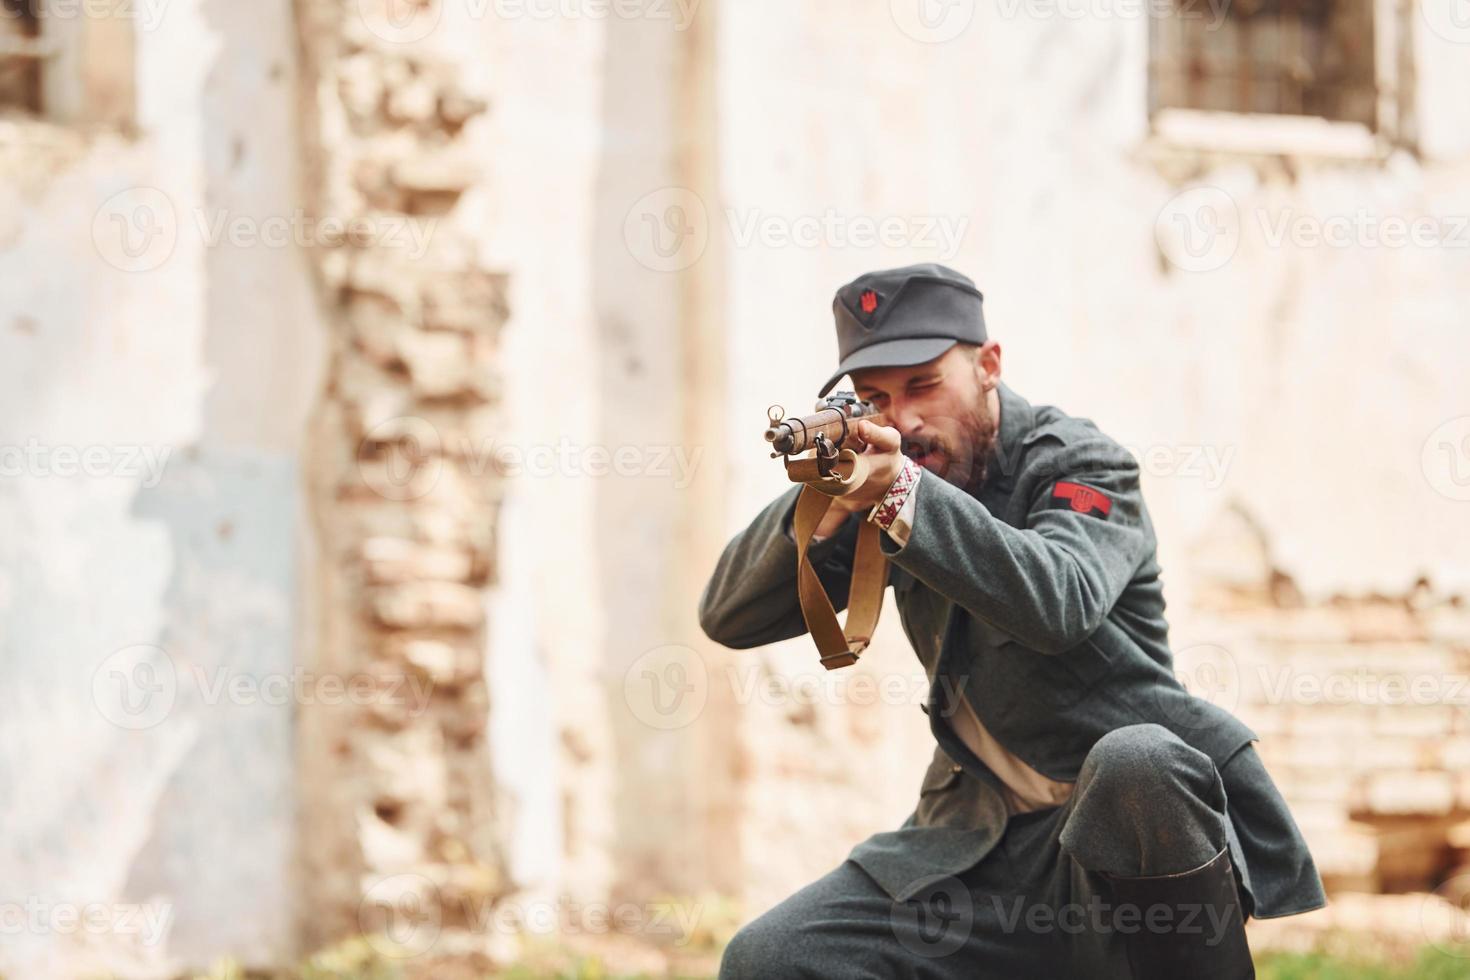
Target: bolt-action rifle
{"x": 813, "y": 449}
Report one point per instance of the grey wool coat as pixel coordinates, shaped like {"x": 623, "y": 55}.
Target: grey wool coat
{"x": 1040, "y": 600}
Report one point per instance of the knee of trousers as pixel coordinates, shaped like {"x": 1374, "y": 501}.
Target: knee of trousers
{"x": 1143, "y": 784}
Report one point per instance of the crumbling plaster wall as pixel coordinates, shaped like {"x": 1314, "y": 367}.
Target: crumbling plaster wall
{"x": 127, "y": 329}
{"x": 1315, "y": 376}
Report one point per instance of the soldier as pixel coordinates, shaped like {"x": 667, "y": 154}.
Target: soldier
{"x": 1083, "y": 815}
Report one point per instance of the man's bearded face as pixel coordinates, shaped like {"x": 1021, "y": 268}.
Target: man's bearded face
{"x": 940, "y": 410}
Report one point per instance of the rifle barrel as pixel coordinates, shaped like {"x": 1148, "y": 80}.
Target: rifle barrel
{"x": 790, "y": 437}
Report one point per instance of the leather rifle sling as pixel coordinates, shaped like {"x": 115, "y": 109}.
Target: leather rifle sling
{"x": 838, "y": 647}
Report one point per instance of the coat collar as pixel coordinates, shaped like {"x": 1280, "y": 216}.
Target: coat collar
{"x": 1017, "y": 419}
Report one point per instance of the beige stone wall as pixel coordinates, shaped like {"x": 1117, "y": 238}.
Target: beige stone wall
{"x": 621, "y": 235}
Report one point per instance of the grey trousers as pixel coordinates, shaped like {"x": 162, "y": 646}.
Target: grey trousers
{"x": 1038, "y": 905}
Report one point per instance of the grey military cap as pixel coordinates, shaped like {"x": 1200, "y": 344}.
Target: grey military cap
{"x": 900, "y": 317}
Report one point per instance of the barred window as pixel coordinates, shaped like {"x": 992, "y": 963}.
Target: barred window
{"x": 1276, "y": 57}
{"x": 68, "y": 62}
{"x": 20, "y": 56}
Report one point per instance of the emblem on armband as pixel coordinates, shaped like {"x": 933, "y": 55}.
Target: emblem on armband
{"x": 1084, "y": 500}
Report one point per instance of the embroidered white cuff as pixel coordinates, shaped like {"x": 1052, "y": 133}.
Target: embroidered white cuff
{"x": 895, "y": 512}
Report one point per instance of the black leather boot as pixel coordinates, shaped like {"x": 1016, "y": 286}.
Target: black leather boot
{"x": 1187, "y": 926}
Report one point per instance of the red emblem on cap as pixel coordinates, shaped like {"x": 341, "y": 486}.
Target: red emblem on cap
{"x": 1083, "y": 499}
{"x": 869, "y": 301}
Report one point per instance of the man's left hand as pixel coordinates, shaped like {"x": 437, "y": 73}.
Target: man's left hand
{"x": 879, "y": 445}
